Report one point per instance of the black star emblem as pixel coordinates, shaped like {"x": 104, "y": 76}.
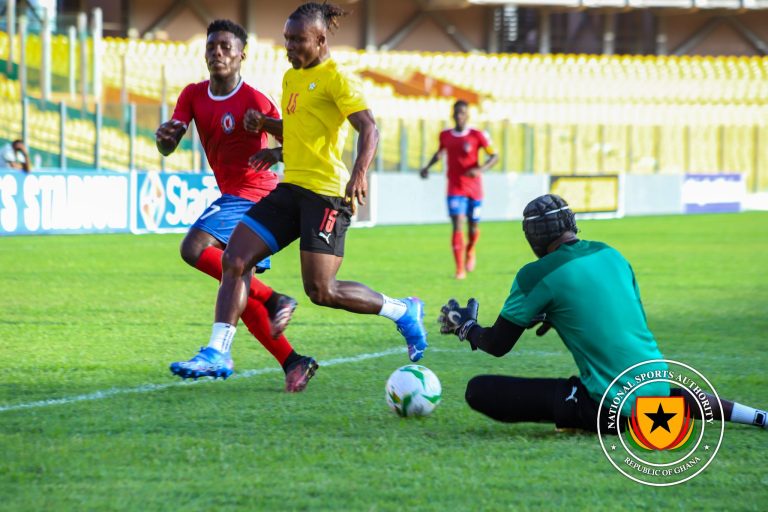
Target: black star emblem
{"x": 661, "y": 419}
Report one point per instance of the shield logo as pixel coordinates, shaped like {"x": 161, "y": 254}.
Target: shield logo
{"x": 228, "y": 123}
{"x": 661, "y": 422}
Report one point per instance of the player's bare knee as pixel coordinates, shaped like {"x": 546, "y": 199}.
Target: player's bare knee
{"x": 190, "y": 253}
{"x": 321, "y": 297}
{"x": 193, "y": 245}
{"x": 320, "y": 294}
{"x": 233, "y": 264}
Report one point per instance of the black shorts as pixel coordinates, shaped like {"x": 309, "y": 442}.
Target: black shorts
{"x": 290, "y": 212}
{"x": 564, "y": 402}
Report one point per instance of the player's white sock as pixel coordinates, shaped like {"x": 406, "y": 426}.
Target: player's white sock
{"x": 393, "y": 309}
{"x": 749, "y": 416}
{"x": 222, "y": 336}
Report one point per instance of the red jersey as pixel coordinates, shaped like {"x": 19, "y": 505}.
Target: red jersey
{"x": 462, "y": 149}
{"x": 228, "y": 146}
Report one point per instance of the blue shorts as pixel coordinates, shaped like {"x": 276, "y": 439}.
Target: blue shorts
{"x": 462, "y": 205}
{"x": 221, "y": 217}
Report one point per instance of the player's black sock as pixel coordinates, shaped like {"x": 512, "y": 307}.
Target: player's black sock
{"x": 292, "y": 358}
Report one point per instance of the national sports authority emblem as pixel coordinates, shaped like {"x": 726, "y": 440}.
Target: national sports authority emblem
{"x": 228, "y": 123}
{"x": 665, "y": 440}
{"x": 661, "y": 423}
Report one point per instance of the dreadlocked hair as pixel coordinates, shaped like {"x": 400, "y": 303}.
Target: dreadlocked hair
{"x": 228, "y": 26}
{"x": 327, "y": 14}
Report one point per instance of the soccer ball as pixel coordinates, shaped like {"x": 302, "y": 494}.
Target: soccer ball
{"x": 413, "y": 390}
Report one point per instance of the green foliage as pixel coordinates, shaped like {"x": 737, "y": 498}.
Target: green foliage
{"x": 88, "y": 314}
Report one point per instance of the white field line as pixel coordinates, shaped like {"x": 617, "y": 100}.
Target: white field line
{"x": 150, "y": 388}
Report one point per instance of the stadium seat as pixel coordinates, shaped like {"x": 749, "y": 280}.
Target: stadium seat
{"x": 577, "y": 92}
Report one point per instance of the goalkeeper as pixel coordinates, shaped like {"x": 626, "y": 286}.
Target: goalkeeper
{"x": 588, "y": 292}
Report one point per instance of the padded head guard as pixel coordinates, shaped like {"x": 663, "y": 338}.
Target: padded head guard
{"x": 545, "y": 219}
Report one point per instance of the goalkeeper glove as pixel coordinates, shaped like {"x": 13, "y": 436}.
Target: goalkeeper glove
{"x": 457, "y": 320}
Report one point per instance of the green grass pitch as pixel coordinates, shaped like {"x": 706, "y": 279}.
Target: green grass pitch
{"x": 94, "y": 321}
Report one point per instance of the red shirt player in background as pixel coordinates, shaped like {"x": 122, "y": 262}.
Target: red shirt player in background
{"x": 465, "y": 187}
{"x": 218, "y": 106}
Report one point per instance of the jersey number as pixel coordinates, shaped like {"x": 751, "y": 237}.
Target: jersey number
{"x": 212, "y": 210}
{"x": 329, "y": 220}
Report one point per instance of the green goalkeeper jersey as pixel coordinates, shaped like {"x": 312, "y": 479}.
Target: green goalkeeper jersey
{"x": 590, "y": 295}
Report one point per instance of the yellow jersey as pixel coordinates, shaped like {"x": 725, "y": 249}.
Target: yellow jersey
{"x": 315, "y": 103}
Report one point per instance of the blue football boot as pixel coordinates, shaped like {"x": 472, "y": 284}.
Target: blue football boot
{"x": 209, "y": 362}
{"x": 411, "y": 326}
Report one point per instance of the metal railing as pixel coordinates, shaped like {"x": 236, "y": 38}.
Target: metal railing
{"x": 70, "y": 124}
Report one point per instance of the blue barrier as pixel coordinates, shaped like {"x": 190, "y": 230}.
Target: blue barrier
{"x": 87, "y": 202}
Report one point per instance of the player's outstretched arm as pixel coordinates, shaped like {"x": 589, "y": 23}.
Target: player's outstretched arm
{"x": 255, "y": 121}
{"x": 168, "y": 135}
{"x": 424, "y": 173}
{"x": 496, "y": 340}
{"x": 456, "y": 320}
{"x": 368, "y": 139}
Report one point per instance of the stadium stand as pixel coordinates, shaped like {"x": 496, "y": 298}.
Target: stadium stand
{"x": 547, "y": 113}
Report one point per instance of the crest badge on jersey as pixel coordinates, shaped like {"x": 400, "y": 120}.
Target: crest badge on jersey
{"x": 228, "y": 123}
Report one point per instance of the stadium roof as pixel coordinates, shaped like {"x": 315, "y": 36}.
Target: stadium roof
{"x": 632, "y": 4}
